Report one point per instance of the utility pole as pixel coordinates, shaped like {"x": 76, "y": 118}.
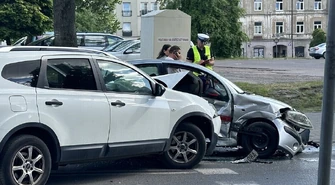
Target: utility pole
{"x": 292, "y": 27}
{"x": 328, "y": 101}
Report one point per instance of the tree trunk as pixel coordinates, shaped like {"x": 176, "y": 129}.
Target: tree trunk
{"x": 8, "y": 42}
{"x": 64, "y": 23}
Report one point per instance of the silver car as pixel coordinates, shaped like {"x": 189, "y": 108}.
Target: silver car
{"x": 248, "y": 120}
{"x": 126, "y": 50}
{"x": 318, "y": 51}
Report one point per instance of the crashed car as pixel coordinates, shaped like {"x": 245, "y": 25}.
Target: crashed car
{"x": 249, "y": 121}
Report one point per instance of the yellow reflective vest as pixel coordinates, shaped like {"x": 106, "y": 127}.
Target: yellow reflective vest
{"x": 197, "y": 56}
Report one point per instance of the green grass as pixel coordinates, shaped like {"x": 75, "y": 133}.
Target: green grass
{"x": 303, "y": 96}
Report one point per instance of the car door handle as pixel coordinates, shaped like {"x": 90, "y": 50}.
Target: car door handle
{"x": 118, "y": 103}
{"x": 54, "y": 102}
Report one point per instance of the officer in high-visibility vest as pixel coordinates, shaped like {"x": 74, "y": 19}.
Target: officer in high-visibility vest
{"x": 200, "y": 53}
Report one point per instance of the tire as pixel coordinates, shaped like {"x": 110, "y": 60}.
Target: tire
{"x": 317, "y": 57}
{"x": 266, "y": 145}
{"x": 324, "y": 55}
{"x": 32, "y": 155}
{"x": 193, "y": 150}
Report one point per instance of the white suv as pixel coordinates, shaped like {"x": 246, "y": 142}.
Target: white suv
{"x": 60, "y": 107}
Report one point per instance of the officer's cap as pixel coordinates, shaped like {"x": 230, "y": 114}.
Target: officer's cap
{"x": 203, "y": 37}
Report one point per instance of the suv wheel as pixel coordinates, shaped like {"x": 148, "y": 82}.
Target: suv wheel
{"x": 26, "y": 160}
{"x": 187, "y": 147}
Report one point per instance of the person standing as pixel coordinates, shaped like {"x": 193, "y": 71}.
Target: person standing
{"x": 201, "y": 53}
{"x": 164, "y": 52}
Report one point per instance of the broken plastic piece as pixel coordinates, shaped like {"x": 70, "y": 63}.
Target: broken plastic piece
{"x": 252, "y": 156}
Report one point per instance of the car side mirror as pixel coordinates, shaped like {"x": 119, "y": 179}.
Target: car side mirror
{"x": 212, "y": 93}
{"x": 128, "y": 51}
{"x": 159, "y": 89}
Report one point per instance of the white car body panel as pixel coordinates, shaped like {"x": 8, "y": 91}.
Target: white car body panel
{"x": 84, "y": 117}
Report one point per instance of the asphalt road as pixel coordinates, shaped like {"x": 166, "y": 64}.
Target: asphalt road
{"x": 219, "y": 170}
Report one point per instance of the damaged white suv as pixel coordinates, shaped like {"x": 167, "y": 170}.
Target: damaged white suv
{"x": 61, "y": 107}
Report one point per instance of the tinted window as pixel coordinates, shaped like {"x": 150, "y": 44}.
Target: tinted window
{"x": 70, "y": 74}
{"x": 120, "y": 78}
{"x": 95, "y": 41}
{"x": 151, "y": 70}
{"x": 25, "y": 73}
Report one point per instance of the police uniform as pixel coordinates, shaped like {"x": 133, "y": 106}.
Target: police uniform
{"x": 196, "y": 54}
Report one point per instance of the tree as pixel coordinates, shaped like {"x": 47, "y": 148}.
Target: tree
{"x": 64, "y": 23}
{"x": 20, "y": 18}
{"x": 218, "y": 18}
{"x": 319, "y": 36}
{"x": 96, "y": 16}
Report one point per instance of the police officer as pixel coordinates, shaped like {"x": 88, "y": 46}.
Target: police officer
{"x": 201, "y": 53}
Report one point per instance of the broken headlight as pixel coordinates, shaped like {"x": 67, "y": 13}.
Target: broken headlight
{"x": 298, "y": 119}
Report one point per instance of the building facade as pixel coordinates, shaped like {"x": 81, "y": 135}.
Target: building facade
{"x": 129, "y": 13}
{"x": 278, "y": 29}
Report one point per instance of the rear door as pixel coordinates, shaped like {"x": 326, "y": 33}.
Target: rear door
{"x": 70, "y": 101}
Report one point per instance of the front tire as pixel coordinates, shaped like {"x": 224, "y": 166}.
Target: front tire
{"x": 187, "y": 147}
{"x": 266, "y": 144}
{"x": 25, "y": 160}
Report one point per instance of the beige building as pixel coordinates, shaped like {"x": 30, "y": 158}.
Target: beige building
{"x": 270, "y": 22}
{"x": 129, "y": 13}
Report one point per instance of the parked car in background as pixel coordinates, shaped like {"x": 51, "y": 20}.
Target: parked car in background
{"x": 318, "y": 51}
{"x": 126, "y": 50}
{"x": 60, "y": 107}
{"x": 248, "y": 120}
{"x": 96, "y": 41}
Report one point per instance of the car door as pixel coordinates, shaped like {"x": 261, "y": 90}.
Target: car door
{"x": 69, "y": 101}
{"x": 140, "y": 120}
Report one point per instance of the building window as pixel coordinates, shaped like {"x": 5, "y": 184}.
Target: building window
{"x": 126, "y": 29}
{"x": 126, "y": 10}
{"x": 257, "y": 5}
{"x": 258, "y": 28}
{"x": 300, "y": 5}
{"x": 143, "y": 8}
{"x": 154, "y": 6}
{"x": 317, "y": 25}
{"x": 279, "y": 27}
{"x": 300, "y": 27}
{"x": 259, "y": 52}
{"x": 279, "y": 5}
{"x": 317, "y": 5}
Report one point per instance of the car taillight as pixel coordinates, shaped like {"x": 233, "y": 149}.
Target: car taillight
{"x": 316, "y": 48}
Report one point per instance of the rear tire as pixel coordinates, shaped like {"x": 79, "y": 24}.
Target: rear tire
{"x": 187, "y": 147}
{"x": 25, "y": 160}
{"x": 324, "y": 55}
{"x": 266, "y": 145}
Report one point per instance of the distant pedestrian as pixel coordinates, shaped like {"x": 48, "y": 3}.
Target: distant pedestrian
{"x": 164, "y": 52}
{"x": 201, "y": 53}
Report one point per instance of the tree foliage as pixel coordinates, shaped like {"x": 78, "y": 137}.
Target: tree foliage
{"x": 96, "y": 16}
{"x": 319, "y": 36}
{"x": 218, "y": 18}
{"x": 20, "y": 18}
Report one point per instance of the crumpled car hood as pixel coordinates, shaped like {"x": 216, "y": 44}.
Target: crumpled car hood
{"x": 260, "y": 103}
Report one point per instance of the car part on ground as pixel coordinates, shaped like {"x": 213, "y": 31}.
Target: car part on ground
{"x": 254, "y": 122}
{"x": 49, "y": 93}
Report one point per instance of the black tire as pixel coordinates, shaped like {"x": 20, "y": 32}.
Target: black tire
{"x": 266, "y": 145}
{"x": 185, "y": 147}
{"x": 22, "y": 151}
{"x": 324, "y": 55}
{"x": 317, "y": 57}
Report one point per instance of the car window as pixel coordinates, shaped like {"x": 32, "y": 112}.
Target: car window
{"x": 151, "y": 70}
{"x": 120, "y": 78}
{"x": 136, "y": 48}
{"x": 80, "y": 40}
{"x": 112, "y": 39}
{"x": 25, "y": 73}
{"x": 70, "y": 74}
{"x": 95, "y": 41}
{"x": 124, "y": 45}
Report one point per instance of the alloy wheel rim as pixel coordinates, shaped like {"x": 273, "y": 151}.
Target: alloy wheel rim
{"x": 184, "y": 147}
{"x": 28, "y": 166}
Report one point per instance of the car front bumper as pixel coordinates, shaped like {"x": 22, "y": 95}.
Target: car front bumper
{"x": 290, "y": 141}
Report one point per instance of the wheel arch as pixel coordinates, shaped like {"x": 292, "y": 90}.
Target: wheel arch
{"x": 45, "y": 133}
{"x": 253, "y": 120}
{"x": 199, "y": 119}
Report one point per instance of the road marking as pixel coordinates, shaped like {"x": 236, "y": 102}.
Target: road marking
{"x": 215, "y": 171}
{"x": 225, "y": 183}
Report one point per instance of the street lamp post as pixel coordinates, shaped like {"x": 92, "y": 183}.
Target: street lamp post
{"x": 276, "y": 40}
